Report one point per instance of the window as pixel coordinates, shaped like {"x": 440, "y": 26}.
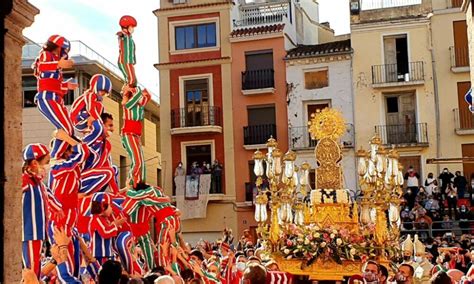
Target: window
{"x": 316, "y": 79}
{"x": 156, "y": 121}
{"x": 396, "y": 57}
{"x": 261, "y": 125}
{"x": 259, "y": 60}
{"x": 198, "y": 154}
{"x": 197, "y": 108}
{"x": 123, "y": 171}
{"x": 179, "y": 1}
{"x": 158, "y": 177}
{"x": 392, "y": 105}
{"x": 29, "y": 98}
{"x": 195, "y": 36}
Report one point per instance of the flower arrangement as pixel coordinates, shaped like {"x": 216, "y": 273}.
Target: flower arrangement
{"x": 310, "y": 243}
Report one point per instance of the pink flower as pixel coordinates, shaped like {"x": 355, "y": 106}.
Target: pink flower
{"x": 289, "y": 243}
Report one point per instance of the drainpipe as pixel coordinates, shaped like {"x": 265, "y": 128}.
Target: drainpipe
{"x": 436, "y": 94}
{"x": 6, "y": 7}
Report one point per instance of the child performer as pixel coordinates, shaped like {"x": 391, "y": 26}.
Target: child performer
{"x": 36, "y": 202}
{"x": 134, "y": 101}
{"x": 51, "y": 87}
{"x": 87, "y": 108}
{"x": 101, "y": 229}
{"x": 126, "y": 60}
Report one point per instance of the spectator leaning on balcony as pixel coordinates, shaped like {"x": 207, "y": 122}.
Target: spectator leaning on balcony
{"x": 430, "y": 184}
{"x": 431, "y": 205}
{"x": 460, "y": 183}
{"x": 412, "y": 180}
{"x": 446, "y": 178}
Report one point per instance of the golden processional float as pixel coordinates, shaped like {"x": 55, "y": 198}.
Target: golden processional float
{"x": 323, "y": 233}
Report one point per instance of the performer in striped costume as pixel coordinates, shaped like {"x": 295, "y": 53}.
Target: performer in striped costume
{"x": 87, "y": 108}
{"x": 126, "y": 60}
{"x": 65, "y": 180}
{"x": 133, "y": 103}
{"x": 101, "y": 229}
{"x": 141, "y": 232}
{"x": 37, "y": 201}
{"x": 51, "y": 87}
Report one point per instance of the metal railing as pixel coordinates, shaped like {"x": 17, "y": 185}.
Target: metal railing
{"x": 196, "y": 116}
{"x": 412, "y": 133}
{"x": 80, "y": 49}
{"x": 258, "y": 79}
{"x": 463, "y": 118}
{"x": 300, "y": 139}
{"x": 259, "y": 134}
{"x": 459, "y": 56}
{"x": 261, "y": 14}
{"x": 392, "y": 73}
{"x": 425, "y": 230}
{"x": 383, "y": 4}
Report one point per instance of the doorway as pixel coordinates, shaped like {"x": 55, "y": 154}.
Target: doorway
{"x": 400, "y": 119}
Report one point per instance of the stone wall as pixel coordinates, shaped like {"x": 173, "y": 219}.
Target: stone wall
{"x": 21, "y": 17}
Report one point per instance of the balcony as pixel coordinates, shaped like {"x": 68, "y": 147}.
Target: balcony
{"x": 258, "y": 81}
{"x": 201, "y": 119}
{"x": 256, "y": 136}
{"x": 404, "y": 135}
{"x": 464, "y": 121}
{"x": 459, "y": 59}
{"x": 391, "y": 75}
{"x": 257, "y": 14}
{"x": 300, "y": 139}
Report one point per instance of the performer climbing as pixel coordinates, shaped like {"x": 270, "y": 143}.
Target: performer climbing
{"x": 47, "y": 68}
{"x": 134, "y": 101}
{"x": 87, "y": 108}
{"x": 126, "y": 60}
{"x": 37, "y": 201}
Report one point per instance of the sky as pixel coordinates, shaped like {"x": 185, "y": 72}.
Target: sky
{"x": 95, "y": 23}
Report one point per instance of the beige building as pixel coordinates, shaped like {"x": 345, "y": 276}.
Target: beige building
{"x": 36, "y": 129}
{"x": 410, "y": 71}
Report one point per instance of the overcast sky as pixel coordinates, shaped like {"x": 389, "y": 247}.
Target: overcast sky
{"x": 96, "y": 22}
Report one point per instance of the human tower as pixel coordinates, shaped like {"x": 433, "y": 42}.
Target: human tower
{"x": 82, "y": 199}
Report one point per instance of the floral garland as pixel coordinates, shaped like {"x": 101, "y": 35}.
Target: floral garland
{"x": 311, "y": 243}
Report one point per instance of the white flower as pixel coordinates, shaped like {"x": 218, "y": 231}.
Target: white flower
{"x": 334, "y": 231}
{"x": 332, "y": 236}
{"x": 296, "y": 251}
{"x": 286, "y": 251}
{"x": 306, "y": 242}
{"x": 300, "y": 240}
{"x": 352, "y": 251}
{"x": 289, "y": 257}
{"x": 316, "y": 235}
{"x": 323, "y": 244}
{"x": 338, "y": 241}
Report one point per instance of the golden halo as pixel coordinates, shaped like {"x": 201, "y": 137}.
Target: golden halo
{"x": 327, "y": 123}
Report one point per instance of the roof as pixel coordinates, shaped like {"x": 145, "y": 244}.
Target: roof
{"x": 342, "y": 46}
{"x": 186, "y": 6}
{"x": 257, "y": 30}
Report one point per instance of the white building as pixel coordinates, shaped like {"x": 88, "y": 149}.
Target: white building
{"x": 320, "y": 76}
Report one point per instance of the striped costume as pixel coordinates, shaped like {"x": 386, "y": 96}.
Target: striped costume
{"x": 134, "y": 113}
{"x": 141, "y": 232}
{"x": 37, "y": 201}
{"x": 50, "y": 96}
{"x": 65, "y": 275}
{"x": 65, "y": 182}
{"x": 126, "y": 60}
{"x": 102, "y": 230}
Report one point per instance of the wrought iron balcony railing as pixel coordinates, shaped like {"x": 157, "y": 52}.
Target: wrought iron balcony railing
{"x": 392, "y": 73}
{"x": 258, "y": 79}
{"x": 463, "y": 118}
{"x": 459, "y": 56}
{"x": 403, "y": 134}
{"x": 300, "y": 139}
{"x": 196, "y": 116}
{"x": 259, "y": 134}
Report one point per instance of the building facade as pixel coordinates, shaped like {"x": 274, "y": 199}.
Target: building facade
{"x": 196, "y": 103}
{"x": 36, "y": 129}
{"x": 320, "y": 76}
{"x": 409, "y": 69}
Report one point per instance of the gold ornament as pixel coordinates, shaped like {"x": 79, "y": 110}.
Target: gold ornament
{"x": 327, "y": 123}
